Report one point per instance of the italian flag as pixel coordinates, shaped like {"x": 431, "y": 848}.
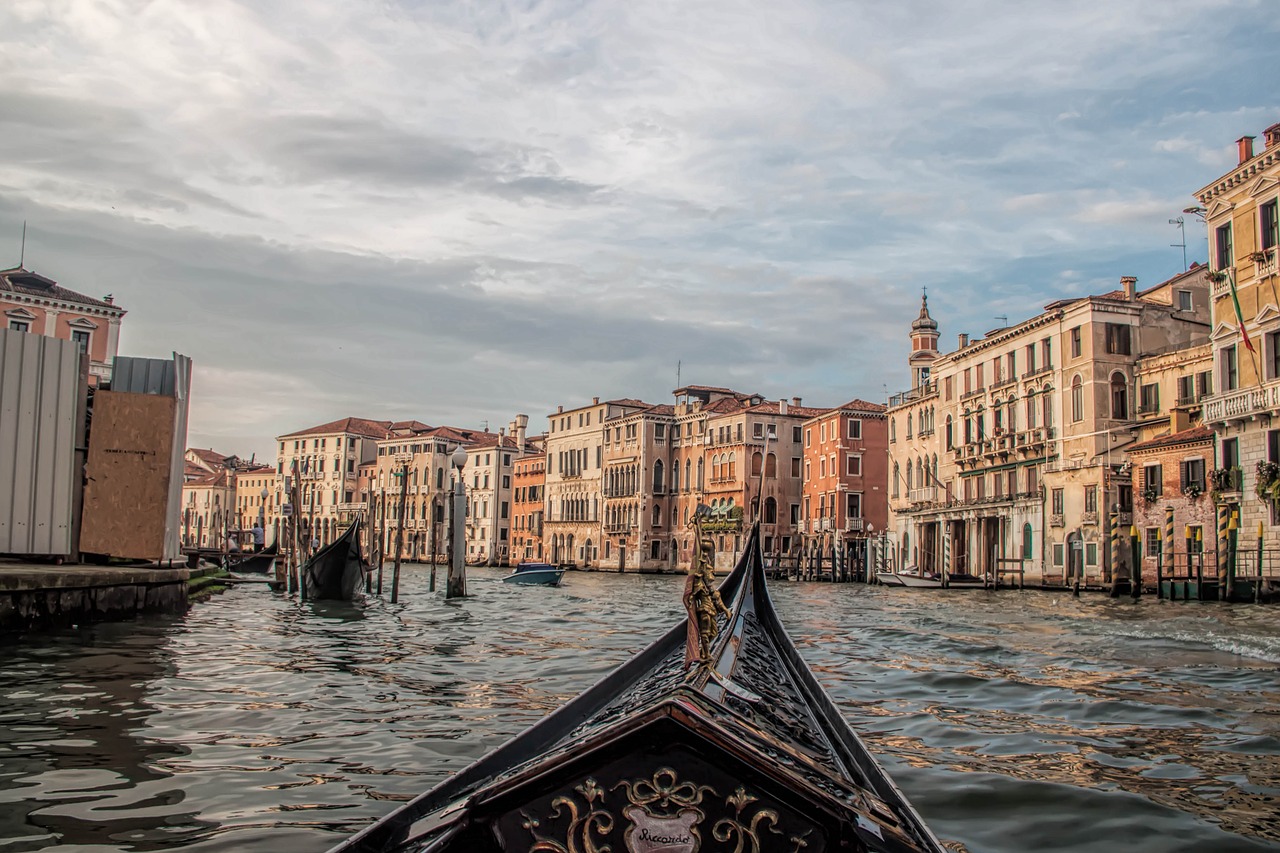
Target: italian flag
{"x": 1235, "y": 300}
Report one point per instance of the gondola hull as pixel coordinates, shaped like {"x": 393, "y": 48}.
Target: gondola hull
{"x": 336, "y": 572}
{"x": 254, "y": 563}
{"x": 740, "y": 751}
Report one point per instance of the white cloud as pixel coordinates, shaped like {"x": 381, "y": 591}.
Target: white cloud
{"x": 532, "y": 204}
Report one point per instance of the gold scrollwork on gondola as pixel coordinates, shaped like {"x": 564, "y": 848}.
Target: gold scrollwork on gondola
{"x": 588, "y": 825}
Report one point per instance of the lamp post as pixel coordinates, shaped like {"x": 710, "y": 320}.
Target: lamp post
{"x": 262, "y": 519}
{"x": 456, "y": 586}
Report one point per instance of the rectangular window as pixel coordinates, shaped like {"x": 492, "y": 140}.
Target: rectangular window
{"x": 1225, "y": 251}
{"x": 1184, "y": 300}
{"x": 81, "y": 339}
{"x": 1012, "y": 364}
{"x": 1046, "y": 353}
{"x": 1269, "y": 219}
{"x": 1057, "y": 501}
{"x": 1230, "y": 453}
{"x": 1091, "y": 554}
{"x": 1124, "y": 497}
{"x": 1117, "y": 339}
{"x": 947, "y": 388}
{"x": 757, "y": 430}
{"x": 855, "y": 429}
{"x": 1149, "y": 398}
{"x": 18, "y": 326}
{"x": 853, "y": 466}
{"x": 795, "y": 466}
{"x": 808, "y": 437}
{"x": 1186, "y": 390}
{"x": 1090, "y": 498}
{"x": 1193, "y": 474}
{"x": 1076, "y": 345}
{"x": 1271, "y": 354}
{"x": 1058, "y": 553}
{"x": 1273, "y": 445}
{"x": 1031, "y": 359}
{"x": 1230, "y": 369}
{"x": 1152, "y": 481}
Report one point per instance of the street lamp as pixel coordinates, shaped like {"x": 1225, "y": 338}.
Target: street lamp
{"x": 457, "y": 583}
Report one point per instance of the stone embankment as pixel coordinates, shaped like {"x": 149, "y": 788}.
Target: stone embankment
{"x": 35, "y": 597}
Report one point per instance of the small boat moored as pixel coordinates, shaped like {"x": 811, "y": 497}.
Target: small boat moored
{"x": 717, "y": 736}
{"x": 910, "y": 576}
{"x": 255, "y": 563}
{"x": 336, "y": 570}
{"x": 544, "y": 574}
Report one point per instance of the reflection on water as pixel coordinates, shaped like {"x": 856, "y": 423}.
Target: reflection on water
{"x": 1013, "y": 721}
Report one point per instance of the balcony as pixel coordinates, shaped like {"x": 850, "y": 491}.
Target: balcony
{"x": 1089, "y": 518}
{"x": 1265, "y": 262}
{"x": 1242, "y": 405}
{"x": 1056, "y": 520}
{"x": 928, "y": 495}
{"x": 1221, "y": 286}
{"x": 976, "y": 392}
{"x": 1037, "y": 371}
{"x": 1003, "y": 381}
{"x": 854, "y": 525}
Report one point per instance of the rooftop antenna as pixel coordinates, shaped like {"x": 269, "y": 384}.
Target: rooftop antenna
{"x": 678, "y": 365}
{"x": 22, "y": 253}
{"x": 1181, "y": 223}
{"x": 1004, "y": 320}
{"x": 486, "y": 424}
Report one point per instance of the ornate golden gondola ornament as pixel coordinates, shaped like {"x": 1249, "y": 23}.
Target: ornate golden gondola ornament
{"x": 701, "y": 598}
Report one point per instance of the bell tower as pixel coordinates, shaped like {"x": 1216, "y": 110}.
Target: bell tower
{"x": 924, "y": 344}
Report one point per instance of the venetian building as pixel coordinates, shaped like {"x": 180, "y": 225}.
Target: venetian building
{"x": 326, "y": 461}
{"x": 40, "y": 306}
{"x": 1242, "y": 213}
{"x": 636, "y": 487}
{"x": 529, "y": 484}
{"x": 414, "y": 465}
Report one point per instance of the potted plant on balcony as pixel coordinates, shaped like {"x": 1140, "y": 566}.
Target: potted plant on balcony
{"x": 1192, "y": 490}
{"x": 1150, "y": 495}
{"x": 1268, "y": 486}
{"x": 1217, "y": 276}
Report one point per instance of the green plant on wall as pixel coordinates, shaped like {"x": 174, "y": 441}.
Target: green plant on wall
{"x": 1268, "y": 485}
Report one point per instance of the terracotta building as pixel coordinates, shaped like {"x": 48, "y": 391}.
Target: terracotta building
{"x": 846, "y": 479}
{"x": 1169, "y": 476}
{"x": 529, "y": 484}
{"x": 636, "y": 488}
{"x": 38, "y": 305}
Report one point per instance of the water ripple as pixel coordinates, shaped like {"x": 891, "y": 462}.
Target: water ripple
{"x": 1014, "y": 721}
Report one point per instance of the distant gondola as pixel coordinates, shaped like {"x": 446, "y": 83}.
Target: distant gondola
{"x": 255, "y": 563}
{"x": 717, "y": 736}
{"x": 336, "y": 570}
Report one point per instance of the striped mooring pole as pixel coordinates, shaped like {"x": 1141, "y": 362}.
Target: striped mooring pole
{"x": 1169, "y": 549}
{"x": 1224, "y": 519}
{"x": 1115, "y": 549}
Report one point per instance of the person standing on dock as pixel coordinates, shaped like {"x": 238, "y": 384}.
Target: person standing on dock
{"x": 258, "y": 536}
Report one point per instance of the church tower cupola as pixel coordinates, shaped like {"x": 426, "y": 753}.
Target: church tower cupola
{"x": 924, "y": 344}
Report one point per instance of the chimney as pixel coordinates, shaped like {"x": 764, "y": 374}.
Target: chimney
{"x": 1245, "y": 146}
{"x": 782, "y": 406}
{"x": 595, "y": 401}
{"x": 1272, "y": 136}
{"x": 964, "y": 340}
{"x": 795, "y": 401}
{"x": 518, "y": 427}
{"x": 109, "y": 299}
{"x": 1129, "y": 284}
{"x": 559, "y": 410}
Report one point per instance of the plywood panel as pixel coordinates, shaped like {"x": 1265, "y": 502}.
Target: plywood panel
{"x": 129, "y": 472}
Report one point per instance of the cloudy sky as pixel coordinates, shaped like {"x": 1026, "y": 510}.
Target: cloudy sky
{"x": 460, "y": 211}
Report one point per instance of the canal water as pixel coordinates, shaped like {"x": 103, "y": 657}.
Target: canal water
{"x": 1014, "y": 721}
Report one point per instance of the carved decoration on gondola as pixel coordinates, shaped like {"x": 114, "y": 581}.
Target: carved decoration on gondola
{"x": 588, "y": 824}
{"x": 701, "y": 598}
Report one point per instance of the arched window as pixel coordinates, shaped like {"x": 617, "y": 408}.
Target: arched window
{"x": 771, "y": 465}
{"x": 896, "y": 474}
{"x": 1119, "y": 397}
{"x": 757, "y": 463}
{"x": 733, "y": 459}
{"x": 770, "y": 511}
{"x": 893, "y": 429}
{"x": 1048, "y": 408}
{"x": 908, "y": 425}
{"x": 1031, "y": 412}
{"x": 688, "y": 481}
{"x": 658, "y": 476}
{"x": 1077, "y": 400}
{"x": 910, "y": 486}
{"x": 700, "y": 480}
{"x": 657, "y": 516}
{"x": 1026, "y": 541}
{"x": 950, "y": 433}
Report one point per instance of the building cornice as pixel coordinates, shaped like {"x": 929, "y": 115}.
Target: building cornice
{"x": 48, "y": 302}
{"x": 1239, "y": 175}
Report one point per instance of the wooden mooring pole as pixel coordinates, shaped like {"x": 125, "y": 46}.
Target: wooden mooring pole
{"x": 395, "y": 571}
